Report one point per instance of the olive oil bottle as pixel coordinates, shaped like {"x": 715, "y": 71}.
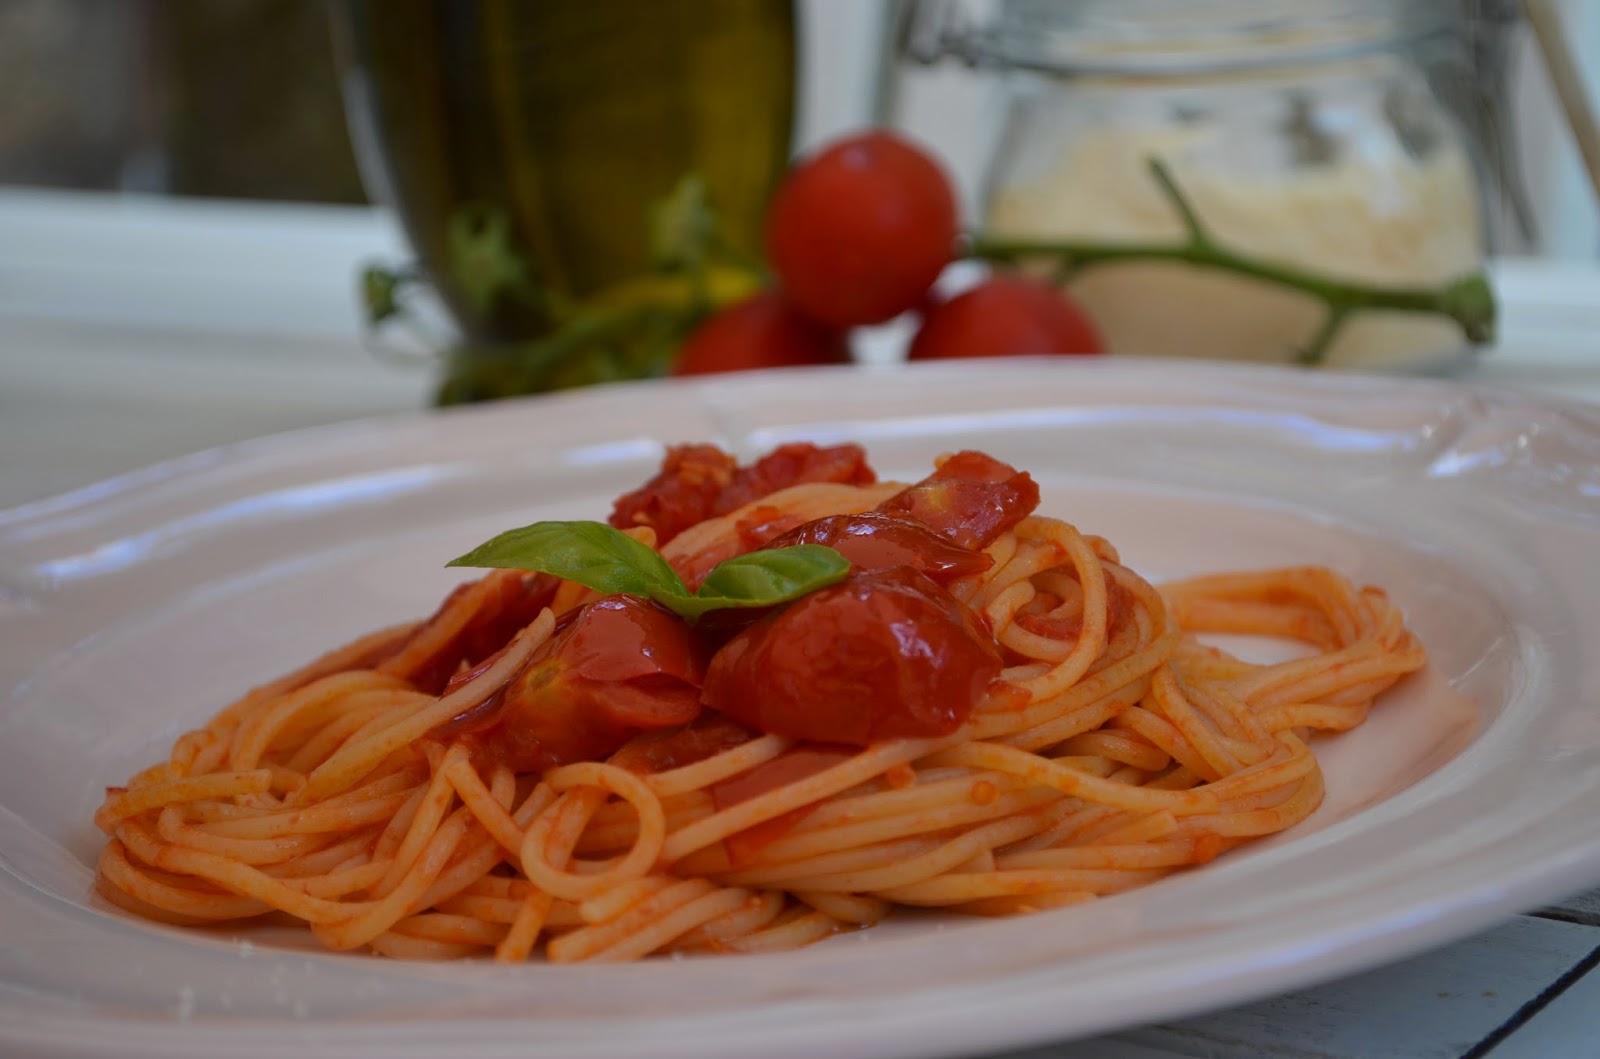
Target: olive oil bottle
{"x": 523, "y": 143}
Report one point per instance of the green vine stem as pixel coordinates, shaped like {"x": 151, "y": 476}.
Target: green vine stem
{"x": 1467, "y": 300}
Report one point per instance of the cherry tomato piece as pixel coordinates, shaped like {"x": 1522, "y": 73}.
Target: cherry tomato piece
{"x": 683, "y": 492}
{"x": 612, "y": 668}
{"x": 880, "y": 655}
{"x": 970, "y": 499}
{"x": 859, "y": 232}
{"x": 697, "y": 482}
{"x": 873, "y": 540}
{"x": 1007, "y": 315}
{"x": 792, "y": 464}
{"x": 762, "y": 331}
{"x": 428, "y": 660}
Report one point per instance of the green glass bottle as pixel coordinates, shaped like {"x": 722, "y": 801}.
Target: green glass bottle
{"x": 524, "y": 142}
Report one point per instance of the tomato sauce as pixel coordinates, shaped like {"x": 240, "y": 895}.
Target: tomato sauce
{"x": 1119, "y": 608}
{"x": 792, "y": 766}
{"x": 706, "y": 736}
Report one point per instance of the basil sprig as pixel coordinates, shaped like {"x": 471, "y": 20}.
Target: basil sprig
{"x": 605, "y": 559}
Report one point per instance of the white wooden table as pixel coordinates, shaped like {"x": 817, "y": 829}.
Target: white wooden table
{"x": 137, "y": 330}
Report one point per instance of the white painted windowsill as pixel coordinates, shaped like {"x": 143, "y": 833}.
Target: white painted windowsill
{"x": 133, "y": 329}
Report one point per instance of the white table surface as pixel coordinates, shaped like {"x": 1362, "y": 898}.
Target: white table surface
{"x": 135, "y": 330}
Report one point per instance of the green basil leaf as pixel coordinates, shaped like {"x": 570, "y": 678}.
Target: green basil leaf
{"x": 607, "y": 560}
{"x": 593, "y": 554}
{"x": 765, "y": 578}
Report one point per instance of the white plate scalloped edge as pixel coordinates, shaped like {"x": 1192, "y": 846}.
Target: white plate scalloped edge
{"x": 133, "y": 609}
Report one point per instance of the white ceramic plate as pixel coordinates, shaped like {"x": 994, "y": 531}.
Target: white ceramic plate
{"x": 132, "y": 610}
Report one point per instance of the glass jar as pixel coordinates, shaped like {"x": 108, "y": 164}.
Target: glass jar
{"x": 1302, "y": 134}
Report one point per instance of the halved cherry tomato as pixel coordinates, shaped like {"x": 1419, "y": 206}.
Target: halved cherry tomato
{"x": 762, "y": 331}
{"x": 859, "y": 232}
{"x": 873, "y": 540}
{"x": 1005, "y": 316}
{"x": 612, "y": 669}
{"x": 870, "y": 540}
{"x": 880, "y": 655}
{"x": 970, "y": 499}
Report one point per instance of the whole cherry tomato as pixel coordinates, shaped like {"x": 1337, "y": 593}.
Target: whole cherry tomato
{"x": 762, "y": 331}
{"x": 858, "y": 233}
{"x": 880, "y": 655}
{"x": 1006, "y": 315}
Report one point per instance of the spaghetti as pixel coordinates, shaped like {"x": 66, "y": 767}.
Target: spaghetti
{"x": 364, "y": 796}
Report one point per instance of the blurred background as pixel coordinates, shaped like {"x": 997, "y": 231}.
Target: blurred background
{"x": 206, "y": 204}
{"x": 241, "y": 99}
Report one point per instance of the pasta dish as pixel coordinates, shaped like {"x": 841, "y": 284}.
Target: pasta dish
{"x": 763, "y": 704}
